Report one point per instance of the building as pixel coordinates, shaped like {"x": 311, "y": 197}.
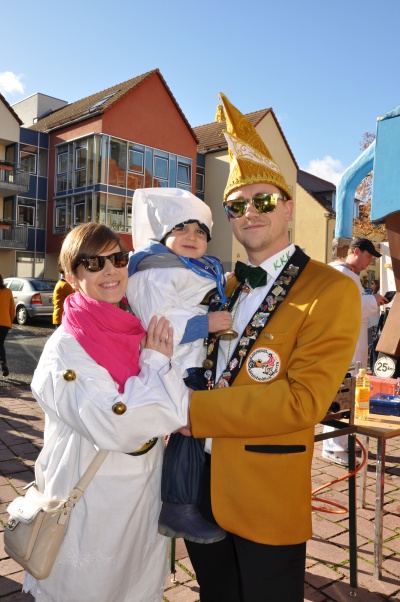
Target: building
{"x": 87, "y": 158}
{"x": 315, "y": 201}
{"x": 82, "y": 162}
{"x": 14, "y": 180}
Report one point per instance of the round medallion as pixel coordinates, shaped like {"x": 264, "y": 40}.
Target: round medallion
{"x": 69, "y": 375}
{"x": 263, "y": 364}
{"x": 119, "y": 408}
{"x": 208, "y": 364}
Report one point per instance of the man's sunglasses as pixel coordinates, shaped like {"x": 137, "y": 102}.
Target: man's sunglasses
{"x": 97, "y": 263}
{"x": 263, "y": 203}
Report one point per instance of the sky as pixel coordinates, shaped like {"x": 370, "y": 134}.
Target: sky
{"x": 328, "y": 69}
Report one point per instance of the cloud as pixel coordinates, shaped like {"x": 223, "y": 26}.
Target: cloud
{"x": 328, "y": 168}
{"x": 11, "y": 83}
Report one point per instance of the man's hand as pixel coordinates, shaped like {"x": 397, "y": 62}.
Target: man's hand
{"x": 380, "y": 299}
{"x": 219, "y": 320}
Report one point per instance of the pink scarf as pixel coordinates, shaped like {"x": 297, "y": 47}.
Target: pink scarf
{"x": 108, "y": 334}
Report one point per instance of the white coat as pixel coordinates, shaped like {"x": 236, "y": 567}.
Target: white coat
{"x": 175, "y": 293}
{"x": 112, "y": 551}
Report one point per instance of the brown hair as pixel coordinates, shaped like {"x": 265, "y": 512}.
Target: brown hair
{"x": 2, "y": 285}
{"x": 87, "y": 240}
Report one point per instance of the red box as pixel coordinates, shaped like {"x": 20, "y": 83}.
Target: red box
{"x": 382, "y": 385}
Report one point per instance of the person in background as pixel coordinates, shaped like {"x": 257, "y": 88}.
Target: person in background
{"x": 61, "y": 291}
{"x": 170, "y": 274}
{"x": 99, "y": 391}
{"x": 7, "y": 314}
{"x": 375, "y": 286}
{"x": 373, "y": 322}
{"x": 360, "y": 255}
{"x": 270, "y": 387}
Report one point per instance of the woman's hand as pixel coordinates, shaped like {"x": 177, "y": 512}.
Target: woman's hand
{"x": 219, "y": 320}
{"x": 159, "y": 336}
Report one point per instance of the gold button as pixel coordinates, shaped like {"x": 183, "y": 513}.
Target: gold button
{"x": 119, "y": 408}
{"x": 69, "y": 375}
{"x": 268, "y": 335}
{"x": 207, "y": 364}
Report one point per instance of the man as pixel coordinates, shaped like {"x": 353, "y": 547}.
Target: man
{"x": 61, "y": 291}
{"x": 273, "y": 384}
{"x": 360, "y": 255}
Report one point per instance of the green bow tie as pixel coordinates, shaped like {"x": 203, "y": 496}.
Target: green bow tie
{"x": 254, "y": 276}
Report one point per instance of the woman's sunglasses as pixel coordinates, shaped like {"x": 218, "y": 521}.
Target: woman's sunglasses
{"x": 263, "y": 203}
{"x": 97, "y": 263}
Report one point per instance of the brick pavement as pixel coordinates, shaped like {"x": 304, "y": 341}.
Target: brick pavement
{"x": 327, "y": 571}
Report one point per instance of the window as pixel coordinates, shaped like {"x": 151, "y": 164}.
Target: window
{"x": 117, "y": 163}
{"x": 79, "y": 212}
{"x": 80, "y": 157}
{"x": 8, "y": 208}
{"x": 61, "y": 216}
{"x": 199, "y": 182}
{"x": 129, "y": 217}
{"x": 160, "y": 168}
{"x": 43, "y": 161}
{"x": 161, "y": 171}
{"x": 26, "y": 214}
{"x": 16, "y": 285}
{"x": 41, "y": 215}
{"x": 62, "y": 162}
{"x": 134, "y": 181}
{"x": 28, "y": 160}
{"x": 183, "y": 173}
{"x": 136, "y": 160}
{"x": 100, "y": 102}
{"x": 116, "y": 212}
{"x": 80, "y": 166}
{"x": 62, "y": 170}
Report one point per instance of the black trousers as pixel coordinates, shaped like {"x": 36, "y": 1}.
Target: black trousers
{"x": 3, "y": 333}
{"x": 240, "y": 570}
{"x": 184, "y": 457}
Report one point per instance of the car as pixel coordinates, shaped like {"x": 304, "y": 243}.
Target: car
{"x": 33, "y": 297}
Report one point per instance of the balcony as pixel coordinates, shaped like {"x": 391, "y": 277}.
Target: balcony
{"x": 13, "y": 236}
{"x": 14, "y": 179}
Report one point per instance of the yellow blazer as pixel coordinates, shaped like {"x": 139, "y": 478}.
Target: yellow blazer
{"x": 60, "y": 293}
{"x": 263, "y": 426}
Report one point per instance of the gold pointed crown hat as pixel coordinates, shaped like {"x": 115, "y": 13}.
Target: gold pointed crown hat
{"x": 249, "y": 158}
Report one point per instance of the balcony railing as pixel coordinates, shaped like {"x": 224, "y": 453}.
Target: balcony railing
{"x": 13, "y": 178}
{"x": 13, "y": 237}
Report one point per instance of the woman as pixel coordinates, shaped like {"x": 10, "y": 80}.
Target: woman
{"x": 98, "y": 394}
{"x": 7, "y": 313}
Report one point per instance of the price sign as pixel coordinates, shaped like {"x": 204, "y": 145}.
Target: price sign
{"x": 384, "y": 366}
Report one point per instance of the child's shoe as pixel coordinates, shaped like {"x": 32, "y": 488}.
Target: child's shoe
{"x": 185, "y": 520}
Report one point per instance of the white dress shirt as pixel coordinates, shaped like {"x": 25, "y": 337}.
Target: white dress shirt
{"x": 245, "y": 308}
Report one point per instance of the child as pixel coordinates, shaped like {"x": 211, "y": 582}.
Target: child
{"x": 171, "y": 275}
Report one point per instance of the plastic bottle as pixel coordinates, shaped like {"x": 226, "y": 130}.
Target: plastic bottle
{"x": 363, "y": 390}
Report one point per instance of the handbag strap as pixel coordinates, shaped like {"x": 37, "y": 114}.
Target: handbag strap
{"x": 80, "y": 487}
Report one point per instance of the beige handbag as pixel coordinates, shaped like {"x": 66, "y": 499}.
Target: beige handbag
{"x": 37, "y": 523}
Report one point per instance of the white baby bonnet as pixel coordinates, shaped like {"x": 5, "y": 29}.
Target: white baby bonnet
{"x": 156, "y": 211}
